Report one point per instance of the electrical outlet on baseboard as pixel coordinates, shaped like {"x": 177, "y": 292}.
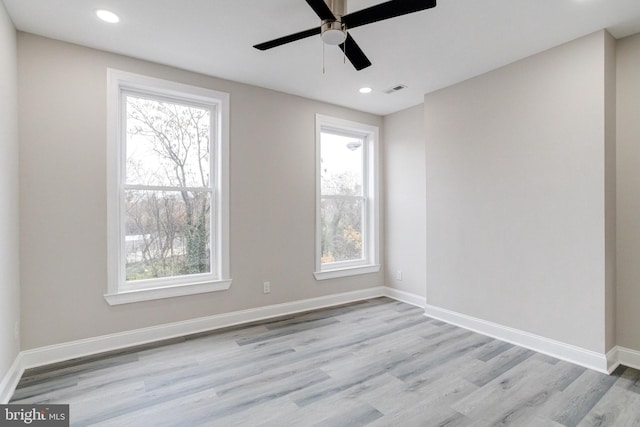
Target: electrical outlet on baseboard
{"x": 399, "y": 275}
{"x": 266, "y": 287}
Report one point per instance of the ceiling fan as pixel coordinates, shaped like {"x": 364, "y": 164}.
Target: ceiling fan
{"x": 335, "y": 24}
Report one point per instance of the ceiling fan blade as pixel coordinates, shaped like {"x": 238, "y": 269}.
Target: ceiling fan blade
{"x": 386, "y": 10}
{"x": 354, "y": 53}
{"x": 321, "y": 9}
{"x": 288, "y": 39}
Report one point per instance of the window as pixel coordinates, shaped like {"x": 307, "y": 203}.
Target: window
{"x": 167, "y": 189}
{"x": 346, "y": 198}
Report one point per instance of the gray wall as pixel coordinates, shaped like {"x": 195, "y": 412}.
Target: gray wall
{"x": 405, "y": 207}
{"x": 628, "y": 192}
{"x": 516, "y": 212}
{"x": 62, "y": 94}
{"x": 9, "y": 243}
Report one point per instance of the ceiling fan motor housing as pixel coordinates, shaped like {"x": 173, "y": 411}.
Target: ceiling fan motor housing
{"x": 334, "y": 32}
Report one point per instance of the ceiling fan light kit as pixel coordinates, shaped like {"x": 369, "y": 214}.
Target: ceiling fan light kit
{"x": 335, "y": 24}
{"x": 333, "y": 32}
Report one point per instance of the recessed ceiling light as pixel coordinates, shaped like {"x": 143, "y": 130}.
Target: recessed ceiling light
{"x": 365, "y": 90}
{"x": 107, "y": 16}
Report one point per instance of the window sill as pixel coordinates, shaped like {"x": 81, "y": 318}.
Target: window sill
{"x": 344, "y": 272}
{"x": 150, "y": 294}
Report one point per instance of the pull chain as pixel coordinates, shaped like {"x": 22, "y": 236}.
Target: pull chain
{"x": 323, "y": 60}
{"x": 344, "y": 45}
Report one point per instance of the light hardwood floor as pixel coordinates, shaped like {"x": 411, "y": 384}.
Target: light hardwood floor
{"x": 374, "y": 363}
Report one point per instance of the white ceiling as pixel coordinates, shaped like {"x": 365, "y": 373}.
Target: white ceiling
{"x": 426, "y": 51}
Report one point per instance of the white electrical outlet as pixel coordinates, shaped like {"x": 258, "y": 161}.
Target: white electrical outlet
{"x": 266, "y": 287}
{"x": 399, "y": 275}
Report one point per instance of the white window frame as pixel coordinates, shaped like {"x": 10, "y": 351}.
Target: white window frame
{"x": 371, "y": 200}
{"x": 119, "y": 84}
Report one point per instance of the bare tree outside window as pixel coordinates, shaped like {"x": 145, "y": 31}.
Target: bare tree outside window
{"x": 341, "y": 201}
{"x": 167, "y": 189}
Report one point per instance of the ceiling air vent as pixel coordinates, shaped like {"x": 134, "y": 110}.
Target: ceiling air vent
{"x": 395, "y": 89}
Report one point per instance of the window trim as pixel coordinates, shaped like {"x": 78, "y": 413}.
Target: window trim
{"x": 371, "y": 200}
{"x": 120, "y": 83}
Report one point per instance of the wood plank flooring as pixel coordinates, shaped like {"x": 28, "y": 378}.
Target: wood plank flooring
{"x": 373, "y": 363}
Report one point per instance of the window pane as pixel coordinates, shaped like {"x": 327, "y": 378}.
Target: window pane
{"x": 341, "y": 229}
{"x": 341, "y": 164}
{"x": 167, "y": 233}
{"x": 167, "y": 144}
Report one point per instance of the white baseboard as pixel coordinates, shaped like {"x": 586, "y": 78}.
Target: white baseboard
{"x": 570, "y": 353}
{"x": 404, "y": 296}
{"x": 11, "y": 379}
{"x": 613, "y": 359}
{"x": 627, "y": 357}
